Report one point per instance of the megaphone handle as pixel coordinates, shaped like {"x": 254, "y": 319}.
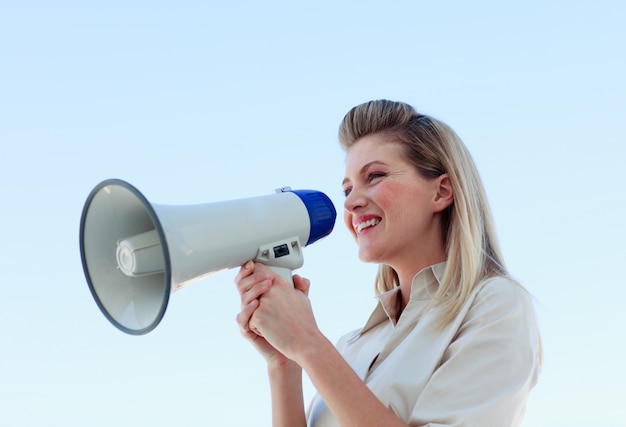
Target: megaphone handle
{"x": 283, "y": 272}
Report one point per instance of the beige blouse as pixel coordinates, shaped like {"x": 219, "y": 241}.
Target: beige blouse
{"x": 477, "y": 371}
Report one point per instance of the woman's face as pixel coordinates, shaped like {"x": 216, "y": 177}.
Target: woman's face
{"x": 390, "y": 209}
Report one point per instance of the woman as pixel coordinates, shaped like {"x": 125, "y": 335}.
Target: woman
{"x": 453, "y": 340}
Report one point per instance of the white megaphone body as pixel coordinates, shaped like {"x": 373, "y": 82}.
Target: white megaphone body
{"x": 135, "y": 254}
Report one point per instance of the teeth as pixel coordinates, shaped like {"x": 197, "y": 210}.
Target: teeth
{"x": 369, "y": 223}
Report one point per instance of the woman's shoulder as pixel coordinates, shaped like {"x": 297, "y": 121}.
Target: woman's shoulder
{"x": 503, "y": 297}
{"x": 503, "y": 288}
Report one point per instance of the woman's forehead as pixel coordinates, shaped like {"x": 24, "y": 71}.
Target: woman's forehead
{"x": 374, "y": 148}
{"x": 368, "y": 153}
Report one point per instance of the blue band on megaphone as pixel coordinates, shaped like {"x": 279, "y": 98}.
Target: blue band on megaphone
{"x": 322, "y": 213}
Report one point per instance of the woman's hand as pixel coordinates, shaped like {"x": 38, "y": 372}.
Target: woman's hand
{"x": 273, "y": 313}
{"x": 252, "y": 283}
{"x": 255, "y": 280}
{"x": 284, "y": 316}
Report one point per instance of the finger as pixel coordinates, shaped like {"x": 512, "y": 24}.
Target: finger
{"x": 245, "y": 270}
{"x": 264, "y": 271}
{"x": 253, "y": 287}
{"x": 259, "y": 266}
{"x": 243, "y": 317}
{"x": 253, "y": 327}
{"x": 249, "y": 276}
{"x": 256, "y": 291}
{"x": 301, "y": 284}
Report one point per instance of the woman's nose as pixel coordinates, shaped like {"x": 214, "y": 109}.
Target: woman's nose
{"x": 354, "y": 200}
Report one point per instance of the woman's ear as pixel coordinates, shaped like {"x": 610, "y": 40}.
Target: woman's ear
{"x": 445, "y": 194}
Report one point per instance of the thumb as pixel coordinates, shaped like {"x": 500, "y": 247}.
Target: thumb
{"x": 301, "y": 284}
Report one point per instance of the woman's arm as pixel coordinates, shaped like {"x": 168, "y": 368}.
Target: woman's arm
{"x": 345, "y": 394}
{"x": 285, "y": 320}
{"x": 287, "y": 396}
{"x": 285, "y": 376}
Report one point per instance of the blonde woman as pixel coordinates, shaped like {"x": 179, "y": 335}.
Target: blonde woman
{"x": 453, "y": 340}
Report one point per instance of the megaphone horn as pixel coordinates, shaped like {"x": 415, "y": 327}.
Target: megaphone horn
{"x": 135, "y": 254}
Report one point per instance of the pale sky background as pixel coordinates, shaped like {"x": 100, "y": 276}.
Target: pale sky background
{"x": 203, "y": 101}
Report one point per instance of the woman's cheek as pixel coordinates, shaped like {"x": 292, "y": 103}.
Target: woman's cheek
{"x": 347, "y": 219}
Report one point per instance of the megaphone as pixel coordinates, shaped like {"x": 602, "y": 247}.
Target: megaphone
{"x": 135, "y": 254}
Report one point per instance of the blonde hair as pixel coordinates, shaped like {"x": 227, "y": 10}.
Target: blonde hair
{"x": 472, "y": 250}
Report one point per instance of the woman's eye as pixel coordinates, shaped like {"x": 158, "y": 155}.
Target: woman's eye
{"x": 374, "y": 175}
{"x": 370, "y": 177}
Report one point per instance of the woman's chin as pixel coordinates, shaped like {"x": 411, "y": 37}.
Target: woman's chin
{"x": 367, "y": 255}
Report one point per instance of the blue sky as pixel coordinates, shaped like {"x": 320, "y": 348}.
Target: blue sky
{"x": 194, "y": 102}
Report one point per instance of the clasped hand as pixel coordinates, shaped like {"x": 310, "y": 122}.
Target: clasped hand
{"x": 276, "y": 317}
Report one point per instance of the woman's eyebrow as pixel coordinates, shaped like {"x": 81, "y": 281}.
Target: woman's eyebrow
{"x": 364, "y": 168}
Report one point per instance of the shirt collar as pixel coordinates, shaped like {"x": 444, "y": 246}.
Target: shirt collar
{"x": 425, "y": 284}
{"x": 427, "y": 281}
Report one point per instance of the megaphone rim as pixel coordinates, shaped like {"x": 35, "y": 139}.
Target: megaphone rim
{"x": 158, "y": 227}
